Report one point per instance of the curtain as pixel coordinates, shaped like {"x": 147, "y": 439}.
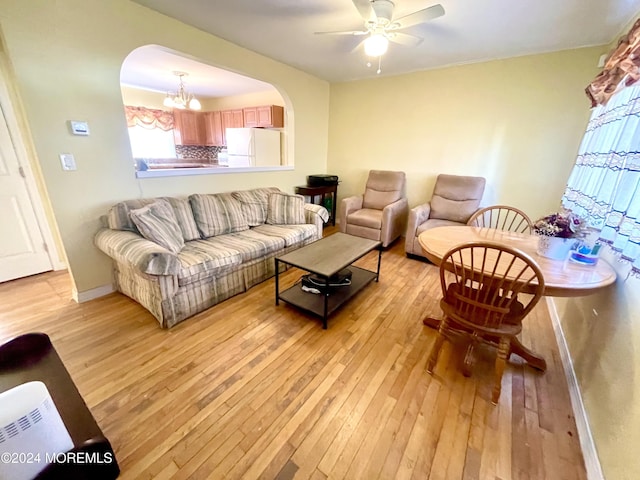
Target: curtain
{"x": 604, "y": 186}
{"x": 622, "y": 68}
{"x": 149, "y": 118}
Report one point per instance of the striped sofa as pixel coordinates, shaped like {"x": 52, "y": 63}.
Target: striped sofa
{"x": 212, "y": 247}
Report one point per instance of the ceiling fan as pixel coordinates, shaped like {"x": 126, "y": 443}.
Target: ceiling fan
{"x": 382, "y": 28}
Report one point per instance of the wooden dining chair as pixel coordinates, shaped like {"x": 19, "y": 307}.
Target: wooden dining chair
{"x": 482, "y": 287}
{"x": 502, "y": 217}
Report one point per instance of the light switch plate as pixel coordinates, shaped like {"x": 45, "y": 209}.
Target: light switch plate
{"x": 68, "y": 162}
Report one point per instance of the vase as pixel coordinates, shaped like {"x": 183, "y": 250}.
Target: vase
{"x": 555, "y": 248}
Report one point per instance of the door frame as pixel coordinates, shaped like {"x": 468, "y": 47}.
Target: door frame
{"x": 11, "y": 114}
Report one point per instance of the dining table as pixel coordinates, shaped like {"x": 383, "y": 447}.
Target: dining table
{"x": 562, "y": 278}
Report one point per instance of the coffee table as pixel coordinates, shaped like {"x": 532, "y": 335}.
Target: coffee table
{"x": 326, "y": 257}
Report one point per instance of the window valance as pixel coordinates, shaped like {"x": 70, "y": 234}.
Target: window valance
{"x": 148, "y": 118}
{"x": 622, "y": 66}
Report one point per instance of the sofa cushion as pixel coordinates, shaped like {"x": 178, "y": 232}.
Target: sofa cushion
{"x": 202, "y": 259}
{"x": 217, "y": 214}
{"x": 184, "y": 215}
{"x": 366, "y": 218}
{"x": 157, "y": 222}
{"x": 254, "y": 204}
{"x": 118, "y": 217}
{"x": 291, "y": 234}
{"x": 249, "y": 243}
{"x": 285, "y": 209}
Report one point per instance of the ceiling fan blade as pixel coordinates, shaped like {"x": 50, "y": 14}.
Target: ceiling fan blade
{"x": 421, "y": 16}
{"x": 404, "y": 39}
{"x": 358, "y": 46}
{"x": 365, "y": 10}
{"x": 345, "y": 32}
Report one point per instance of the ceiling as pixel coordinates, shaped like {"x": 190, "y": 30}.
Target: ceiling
{"x": 151, "y": 68}
{"x": 470, "y": 31}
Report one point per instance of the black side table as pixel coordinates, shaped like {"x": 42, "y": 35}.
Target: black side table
{"x": 327, "y": 192}
{"x": 32, "y": 357}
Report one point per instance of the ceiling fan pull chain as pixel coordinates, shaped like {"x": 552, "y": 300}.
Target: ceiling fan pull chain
{"x": 379, "y": 65}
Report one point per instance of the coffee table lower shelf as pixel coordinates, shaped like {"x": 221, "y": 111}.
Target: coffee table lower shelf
{"x": 315, "y": 302}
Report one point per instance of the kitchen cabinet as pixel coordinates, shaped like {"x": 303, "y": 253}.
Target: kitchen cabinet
{"x": 267, "y": 116}
{"x": 232, "y": 118}
{"x": 213, "y": 130}
{"x": 208, "y": 128}
{"x": 188, "y": 128}
{"x": 250, "y": 116}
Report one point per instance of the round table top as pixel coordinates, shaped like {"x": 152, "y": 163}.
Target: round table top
{"x": 563, "y": 278}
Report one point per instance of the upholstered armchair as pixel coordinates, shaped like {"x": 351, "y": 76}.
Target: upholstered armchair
{"x": 379, "y": 214}
{"x": 455, "y": 199}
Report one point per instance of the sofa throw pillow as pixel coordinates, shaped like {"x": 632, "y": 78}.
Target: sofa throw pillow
{"x": 119, "y": 218}
{"x": 157, "y": 222}
{"x": 184, "y": 216}
{"x": 217, "y": 214}
{"x": 285, "y": 209}
{"x": 254, "y": 204}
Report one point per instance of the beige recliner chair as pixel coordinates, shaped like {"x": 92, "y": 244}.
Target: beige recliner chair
{"x": 455, "y": 199}
{"x": 379, "y": 214}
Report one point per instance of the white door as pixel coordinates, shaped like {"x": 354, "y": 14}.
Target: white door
{"x": 22, "y": 248}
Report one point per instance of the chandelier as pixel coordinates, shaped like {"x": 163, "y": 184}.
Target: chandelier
{"x": 181, "y": 99}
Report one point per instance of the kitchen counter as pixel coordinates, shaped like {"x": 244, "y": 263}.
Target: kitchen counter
{"x": 210, "y": 170}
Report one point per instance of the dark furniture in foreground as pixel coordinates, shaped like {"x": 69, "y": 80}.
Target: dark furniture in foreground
{"x": 326, "y": 257}
{"x": 31, "y": 357}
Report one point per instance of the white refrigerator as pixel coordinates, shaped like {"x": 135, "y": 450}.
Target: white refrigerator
{"x": 253, "y": 147}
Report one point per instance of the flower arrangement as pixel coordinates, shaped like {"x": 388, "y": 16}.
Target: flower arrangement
{"x": 562, "y": 224}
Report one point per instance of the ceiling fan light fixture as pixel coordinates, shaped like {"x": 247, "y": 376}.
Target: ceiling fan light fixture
{"x": 376, "y": 45}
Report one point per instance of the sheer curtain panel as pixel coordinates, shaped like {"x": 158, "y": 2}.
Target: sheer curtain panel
{"x": 604, "y": 184}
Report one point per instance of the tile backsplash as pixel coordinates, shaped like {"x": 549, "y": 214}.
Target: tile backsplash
{"x": 198, "y": 152}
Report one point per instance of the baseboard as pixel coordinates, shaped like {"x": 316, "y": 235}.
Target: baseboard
{"x": 58, "y": 265}
{"x": 589, "y": 452}
{"x": 85, "y": 296}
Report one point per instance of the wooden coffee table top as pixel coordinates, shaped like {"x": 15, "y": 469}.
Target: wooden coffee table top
{"x": 331, "y": 254}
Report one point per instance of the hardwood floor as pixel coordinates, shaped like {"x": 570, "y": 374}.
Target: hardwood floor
{"x": 250, "y": 390}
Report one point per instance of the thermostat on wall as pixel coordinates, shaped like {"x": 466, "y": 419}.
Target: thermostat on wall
{"x": 79, "y": 128}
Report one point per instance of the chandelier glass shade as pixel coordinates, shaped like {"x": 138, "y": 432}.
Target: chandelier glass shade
{"x": 376, "y": 45}
{"x": 181, "y": 99}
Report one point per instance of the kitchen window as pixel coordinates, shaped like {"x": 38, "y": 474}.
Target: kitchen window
{"x": 150, "y": 133}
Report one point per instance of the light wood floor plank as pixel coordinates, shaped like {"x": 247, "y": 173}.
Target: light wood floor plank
{"x": 251, "y": 390}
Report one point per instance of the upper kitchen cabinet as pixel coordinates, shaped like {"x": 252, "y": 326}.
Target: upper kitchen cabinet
{"x": 213, "y": 130}
{"x": 188, "y": 128}
{"x": 232, "y": 118}
{"x": 267, "y": 116}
